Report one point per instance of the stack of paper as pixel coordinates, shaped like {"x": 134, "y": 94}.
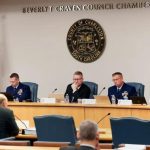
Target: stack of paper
{"x": 22, "y": 124}
{"x": 30, "y": 131}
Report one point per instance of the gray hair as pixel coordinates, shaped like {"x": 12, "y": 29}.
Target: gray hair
{"x": 88, "y": 130}
{"x": 2, "y": 99}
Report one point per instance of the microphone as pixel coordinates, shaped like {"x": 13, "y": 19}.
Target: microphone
{"x": 21, "y": 121}
{"x": 101, "y": 91}
{"x": 103, "y": 118}
{"x": 54, "y": 90}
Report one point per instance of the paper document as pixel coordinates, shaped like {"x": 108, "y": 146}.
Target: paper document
{"x": 133, "y": 147}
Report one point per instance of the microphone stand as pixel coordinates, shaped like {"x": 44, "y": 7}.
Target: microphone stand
{"x": 103, "y": 118}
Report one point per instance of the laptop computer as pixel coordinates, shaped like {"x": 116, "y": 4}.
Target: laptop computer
{"x": 138, "y": 100}
{"x": 101, "y": 99}
{"x": 9, "y": 96}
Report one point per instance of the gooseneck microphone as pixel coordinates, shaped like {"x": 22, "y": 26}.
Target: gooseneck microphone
{"x": 102, "y": 90}
{"x": 21, "y": 121}
{"x": 54, "y": 90}
{"x": 103, "y": 118}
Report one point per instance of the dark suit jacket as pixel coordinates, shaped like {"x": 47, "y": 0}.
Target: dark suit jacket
{"x": 21, "y": 93}
{"x": 8, "y": 126}
{"x": 74, "y": 148}
{"x": 83, "y": 92}
{"x": 85, "y": 148}
{"x": 118, "y": 94}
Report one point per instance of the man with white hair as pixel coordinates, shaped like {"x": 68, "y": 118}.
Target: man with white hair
{"x": 88, "y": 136}
{"x": 8, "y": 126}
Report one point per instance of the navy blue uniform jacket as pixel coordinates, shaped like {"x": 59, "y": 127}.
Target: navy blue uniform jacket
{"x": 119, "y": 94}
{"x": 22, "y": 92}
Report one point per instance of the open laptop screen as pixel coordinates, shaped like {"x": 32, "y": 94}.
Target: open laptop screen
{"x": 138, "y": 100}
{"x": 9, "y": 96}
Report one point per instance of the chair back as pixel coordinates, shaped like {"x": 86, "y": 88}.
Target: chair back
{"x": 55, "y": 128}
{"x": 33, "y": 89}
{"x": 93, "y": 87}
{"x": 139, "y": 87}
{"x": 129, "y": 130}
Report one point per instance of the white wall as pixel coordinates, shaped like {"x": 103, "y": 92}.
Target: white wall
{"x": 34, "y": 45}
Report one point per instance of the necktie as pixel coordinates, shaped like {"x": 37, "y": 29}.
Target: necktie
{"x": 118, "y": 90}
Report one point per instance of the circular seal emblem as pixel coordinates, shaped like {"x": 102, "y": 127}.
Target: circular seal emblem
{"x": 86, "y": 40}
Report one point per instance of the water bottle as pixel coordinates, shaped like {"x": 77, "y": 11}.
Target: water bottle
{"x": 113, "y": 99}
{"x": 16, "y": 100}
{"x": 38, "y": 100}
{"x": 67, "y": 98}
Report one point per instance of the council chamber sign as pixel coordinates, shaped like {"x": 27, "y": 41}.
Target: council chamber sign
{"x": 86, "y": 40}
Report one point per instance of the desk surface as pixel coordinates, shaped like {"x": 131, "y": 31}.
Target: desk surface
{"x": 27, "y": 148}
{"x": 98, "y": 105}
{"x": 105, "y": 135}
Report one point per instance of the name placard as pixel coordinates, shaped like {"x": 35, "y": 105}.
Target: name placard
{"x": 124, "y": 102}
{"x": 88, "y": 101}
{"x": 48, "y": 100}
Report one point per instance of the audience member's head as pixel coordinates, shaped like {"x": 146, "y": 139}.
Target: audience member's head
{"x": 88, "y": 133}
{"x": 14, "y": 79}
{"x": 3, "y": 101}
{"x": 117, "y": 78}
{"x": 88, "y": 136}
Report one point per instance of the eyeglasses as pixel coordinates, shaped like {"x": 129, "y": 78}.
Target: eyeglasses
{"x": 116, "y": 79}
{"x": 76, "y": 79}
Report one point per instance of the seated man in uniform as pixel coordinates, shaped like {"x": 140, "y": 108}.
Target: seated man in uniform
{"x": 18, "y": 90}
{"x": 8, "y": 126}
{"x": 88, "y": 136}
{"x": 77, "y": 89}
{"x": 120, "y": 90}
